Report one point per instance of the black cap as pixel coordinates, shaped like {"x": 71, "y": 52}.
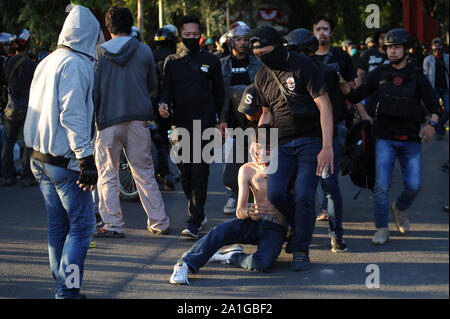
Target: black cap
{"x": 266, "y": 36}
{"x": 248, "y": 101}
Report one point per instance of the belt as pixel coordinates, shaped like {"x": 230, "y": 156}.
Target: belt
{"x": 275, "y": 220}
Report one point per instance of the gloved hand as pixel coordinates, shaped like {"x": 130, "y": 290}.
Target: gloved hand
{"x": 88, "y": 171}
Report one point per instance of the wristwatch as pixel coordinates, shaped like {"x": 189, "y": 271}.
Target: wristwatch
{"x": 432, "y": 123}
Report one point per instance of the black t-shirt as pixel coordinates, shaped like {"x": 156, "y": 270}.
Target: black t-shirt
{"x": 341, "y": 62}
{"x": 301, "y": 75}
{"x": 440, "y": 81}
{"x": 372, "y": 59}
{"x": 395, "y": 128}
{"x": 239, "y": 71}
{"x": 19, "y": 87}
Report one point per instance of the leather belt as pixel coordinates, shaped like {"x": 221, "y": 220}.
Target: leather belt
{"x": 275, "y": 220}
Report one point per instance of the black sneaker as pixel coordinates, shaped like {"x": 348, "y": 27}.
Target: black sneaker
{"x": 103, "y": 233}
{"x": 8, "y": 182}
{"x": 300, "y": 261}
{"x": 338, "y": 245}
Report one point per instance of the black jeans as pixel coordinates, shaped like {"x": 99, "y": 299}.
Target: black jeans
{"x": 13, "y": 123}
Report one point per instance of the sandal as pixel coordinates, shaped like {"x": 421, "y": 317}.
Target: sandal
{"x": 322, "y": 217}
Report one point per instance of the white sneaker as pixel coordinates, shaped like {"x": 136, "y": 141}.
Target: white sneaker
{"x": 381, "y": 236}
{"x": 180, "y": 274}
{"x": 230, "y": 206}
{"x": 223, "y": 256}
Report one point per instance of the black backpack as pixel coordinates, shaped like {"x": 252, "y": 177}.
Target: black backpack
{"x": 358, "y": 156}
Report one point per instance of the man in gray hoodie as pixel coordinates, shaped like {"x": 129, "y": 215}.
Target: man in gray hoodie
{"x": 58, "y": 129}
{"x": 124, "y": 77}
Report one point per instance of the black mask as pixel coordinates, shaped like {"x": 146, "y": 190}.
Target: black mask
{"x": 275, "y": 59}
{"x": 192, "y": 44}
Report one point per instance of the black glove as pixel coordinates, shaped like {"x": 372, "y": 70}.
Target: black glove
{"x": 88, "y": 171}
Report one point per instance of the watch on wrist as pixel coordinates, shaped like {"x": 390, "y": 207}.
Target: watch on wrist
{"x": 432, "y": 123}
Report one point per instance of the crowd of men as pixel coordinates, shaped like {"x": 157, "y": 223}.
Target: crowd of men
{"x": 90, "y": 100}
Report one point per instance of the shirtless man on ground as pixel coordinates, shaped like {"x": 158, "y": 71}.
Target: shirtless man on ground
{"x": 257, "y": 224}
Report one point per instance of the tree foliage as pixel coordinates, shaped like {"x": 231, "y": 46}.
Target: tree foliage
{"x": 44, "y": 18}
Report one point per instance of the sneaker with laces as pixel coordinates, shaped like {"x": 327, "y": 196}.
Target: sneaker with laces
{"x": 104, "y": 233}
{"x": 230, "y": 206}
{"x": 300, "y": 261}
{"x": 401, "y": 219}
{"x": 381, "y": 236}
{"x": 338, "y": 245}
{"x": 180, "y": 274}
{"x": 223, "y": 256}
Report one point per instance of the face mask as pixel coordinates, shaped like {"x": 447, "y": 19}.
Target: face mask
{"x": 437, "y": 53}
{"x": 353, "y": 52}
{"x": 275, "y": 59}
{"x": 192, "y": 44}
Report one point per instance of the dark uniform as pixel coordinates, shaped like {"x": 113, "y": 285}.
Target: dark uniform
{"x": 398, "y": 117}
{"x": 166, "y": 41}
{"x": 192, "y": 87}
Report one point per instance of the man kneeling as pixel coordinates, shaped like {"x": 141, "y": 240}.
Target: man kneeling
{"x": 259, "y": 224}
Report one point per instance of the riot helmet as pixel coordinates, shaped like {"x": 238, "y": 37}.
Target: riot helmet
{"x": 135, "y": 32}
{"x": 301, "y": 40}
{"x": 167, "y": 36}
{"x": 395, "y": 37}
{"x": 20, "y": 40}
{"x": 237, "y": 30}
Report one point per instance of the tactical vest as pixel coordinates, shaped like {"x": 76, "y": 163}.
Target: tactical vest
{"x": 398, "y": 94}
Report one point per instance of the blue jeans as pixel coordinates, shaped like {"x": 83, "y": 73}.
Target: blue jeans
{"x": 267, "y": 235}
{"x": 409, "y": 155}
{"x": 329, "y": 189}
{"x": 297, "y": 159}
{"x": 440, "y": 127}
{"x": 2, "y": 141}
{"x": 71, "y": 223}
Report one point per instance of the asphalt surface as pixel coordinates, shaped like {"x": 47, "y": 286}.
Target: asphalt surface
{"x": 139, "y": 266}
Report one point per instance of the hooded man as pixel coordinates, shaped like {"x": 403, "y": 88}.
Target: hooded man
{"x": 124, "y": 78}
{"x": 58, "y": 129}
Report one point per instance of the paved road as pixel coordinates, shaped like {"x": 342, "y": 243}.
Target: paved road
{"x": 139, "y": 266}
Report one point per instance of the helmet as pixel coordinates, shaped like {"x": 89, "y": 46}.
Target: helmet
{"x": 301, "y": 40}
{"x": 437, "y": 43}
{"x": 209, "y": 41}
{"x": 135, "y": 32}
{"x": 20, "y": 40}
{"x": 168, "y": 34}
{"x": 5, "y": 37}
{"x": 236, "y": 30}
{"x": 397, "y": 36}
